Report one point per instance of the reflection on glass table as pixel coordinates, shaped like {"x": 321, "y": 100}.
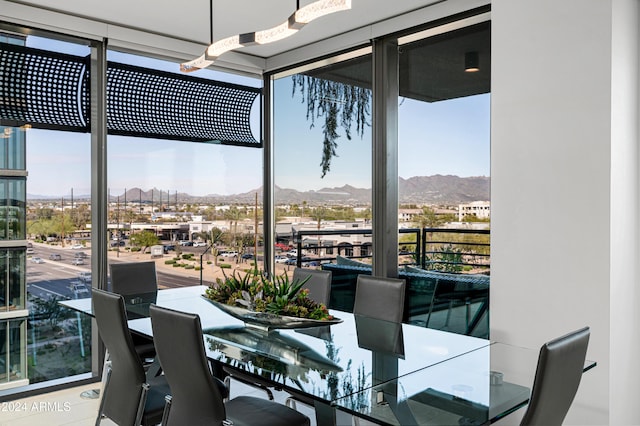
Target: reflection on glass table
{"x": 478, "y": 387}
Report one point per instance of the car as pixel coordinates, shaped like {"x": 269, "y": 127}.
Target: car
{"x": 168, "y": 248}
{"x": 247, "y": 256}
{"x": 37, "y": 260}
{"x": 281, "y": 259}
{"x": 282, "y": 247}
{"x": 80, "y": 254}
{"x": 55, "y": 256}
{"x": 30, "y": 250}
{"x": 230, "y": 254}
{"x": 77, "y": 247}
{"x": 186, "y": 243}
{"x": 116, "y": 243}
{"x": 291, "y": 261}
{"x": 77, "y": 261}
{"x": 200, "y": 244}
{"x": 79, "y": 290}
{"x": 85, "y": 277}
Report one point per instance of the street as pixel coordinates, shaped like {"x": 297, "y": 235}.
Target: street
{"x": 55, "y": 278}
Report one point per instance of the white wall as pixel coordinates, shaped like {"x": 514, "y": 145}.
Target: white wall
{"x": 564, "y": 140}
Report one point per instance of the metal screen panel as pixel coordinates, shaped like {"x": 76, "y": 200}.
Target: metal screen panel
{"x": 143, "y": 102}
{"x": 43, "y": 89}
{"x": 50, "y": 90}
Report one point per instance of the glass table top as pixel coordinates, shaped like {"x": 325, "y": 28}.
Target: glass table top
{"x": 326, "y": 363}
{"x": 477, "y": 387}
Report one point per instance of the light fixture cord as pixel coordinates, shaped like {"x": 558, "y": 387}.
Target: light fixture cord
{"x": 211, "y": 22}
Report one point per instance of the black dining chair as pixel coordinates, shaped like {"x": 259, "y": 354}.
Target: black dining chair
{"x": 557, "y": 378}
{"x": 380, "y": 297}
{"x": 137, "y": 280}
{"x": 195, "y": 394}
{"x": 319, "y": 285}
{"x": 129, "y": 278}
{"x": 129, "y": 396}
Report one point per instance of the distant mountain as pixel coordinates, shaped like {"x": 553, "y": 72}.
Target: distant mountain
{"x": 444, "y": 189}
{"x": 437, "y": 189}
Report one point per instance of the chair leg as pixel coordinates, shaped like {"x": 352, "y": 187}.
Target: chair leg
{"x": 106, "y": 372}
{"x": 141, "y": 403}
{"x": 167, "y": 408}
{"x": 291, "y": 403}
{"x": 227, "y": 383}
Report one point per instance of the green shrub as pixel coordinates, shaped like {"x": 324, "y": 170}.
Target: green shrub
{"x": 169, "y": 261}
{"x": 209, "y": 262}
{"x": 224, "y": 266}
{"x": 177, "y": 265}
{"x": 197, "y": 268}
{"x": 188, "y": 267}
{"x": 135, "y": 249}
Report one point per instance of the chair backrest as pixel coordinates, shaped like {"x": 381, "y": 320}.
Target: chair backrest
{"x": 558, "y": 375}
{"x": 122, "y": 396}
{"x": 379, "y": 297}
{"x": 318, "y": 284}
{"x": 195, "y": 397}
{"x": 134, "y": 278}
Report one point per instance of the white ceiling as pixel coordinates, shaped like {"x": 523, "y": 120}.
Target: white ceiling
{"x": 182, "y": 28}
{"x": 190, "y": 19}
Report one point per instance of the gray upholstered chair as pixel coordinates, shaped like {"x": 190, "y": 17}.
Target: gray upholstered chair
{"x": 318, "y": 283}
{"x": 137, "y": 279}
{"x": 134, "y": 278}
{"x": 558, "y": 375}
{"x": 195, "y": 395}
{"x": 379, "y": 297}
{"x": 129, "y": 396}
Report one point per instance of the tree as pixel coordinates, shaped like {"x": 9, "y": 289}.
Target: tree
{"x": 144, "y": 239}
{"x": 339, "y": 104}
{"x": 428, "y": 218}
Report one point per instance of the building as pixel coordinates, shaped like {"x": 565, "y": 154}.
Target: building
{"x": 565, "y": 89}
{"x": 479, "y": 209}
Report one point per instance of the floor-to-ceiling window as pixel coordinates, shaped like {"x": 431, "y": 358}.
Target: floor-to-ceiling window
{"x": 322, "y": 162}
{"x": 183, "y": 195}
{"x": 177, "y": 190}
{"x": 443, "y": 168}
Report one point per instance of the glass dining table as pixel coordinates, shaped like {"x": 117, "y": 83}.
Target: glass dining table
{"x": 387, "y": 372}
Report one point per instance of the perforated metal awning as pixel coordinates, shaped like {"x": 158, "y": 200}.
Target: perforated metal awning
{"x": 49, "y": 90}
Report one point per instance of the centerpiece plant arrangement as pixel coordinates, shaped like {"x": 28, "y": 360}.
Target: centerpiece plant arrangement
{"x": 258, "y": 293}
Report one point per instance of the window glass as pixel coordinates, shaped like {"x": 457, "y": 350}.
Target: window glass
{"x": 444, "y": 173}
{"x": 322, "y": 163}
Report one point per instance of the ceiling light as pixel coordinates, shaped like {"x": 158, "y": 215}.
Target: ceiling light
{"x": 471, "y": 62}
{"x": 296, "y": 21}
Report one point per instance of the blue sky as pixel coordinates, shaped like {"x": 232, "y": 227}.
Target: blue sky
{"x": 448, "y": 137}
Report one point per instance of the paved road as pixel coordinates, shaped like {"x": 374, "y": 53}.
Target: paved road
{"x": 56, "y": 278}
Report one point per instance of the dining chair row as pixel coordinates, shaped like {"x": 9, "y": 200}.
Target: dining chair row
{"x": 186, "y": 393}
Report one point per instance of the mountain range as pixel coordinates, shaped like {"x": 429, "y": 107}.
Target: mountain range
{"x": 436, "y": 189}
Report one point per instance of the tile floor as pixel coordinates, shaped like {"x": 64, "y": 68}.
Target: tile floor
{"x": 69, "y": 408}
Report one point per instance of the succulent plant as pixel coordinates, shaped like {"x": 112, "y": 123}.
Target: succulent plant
{"x": 256, "y": 292}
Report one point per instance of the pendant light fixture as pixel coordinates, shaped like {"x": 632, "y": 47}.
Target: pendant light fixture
{"x": 296, "y": 21}
{"x": 471, "y": 62}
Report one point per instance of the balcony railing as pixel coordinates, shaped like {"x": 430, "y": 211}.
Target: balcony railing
{"x": 436, "y": 249}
